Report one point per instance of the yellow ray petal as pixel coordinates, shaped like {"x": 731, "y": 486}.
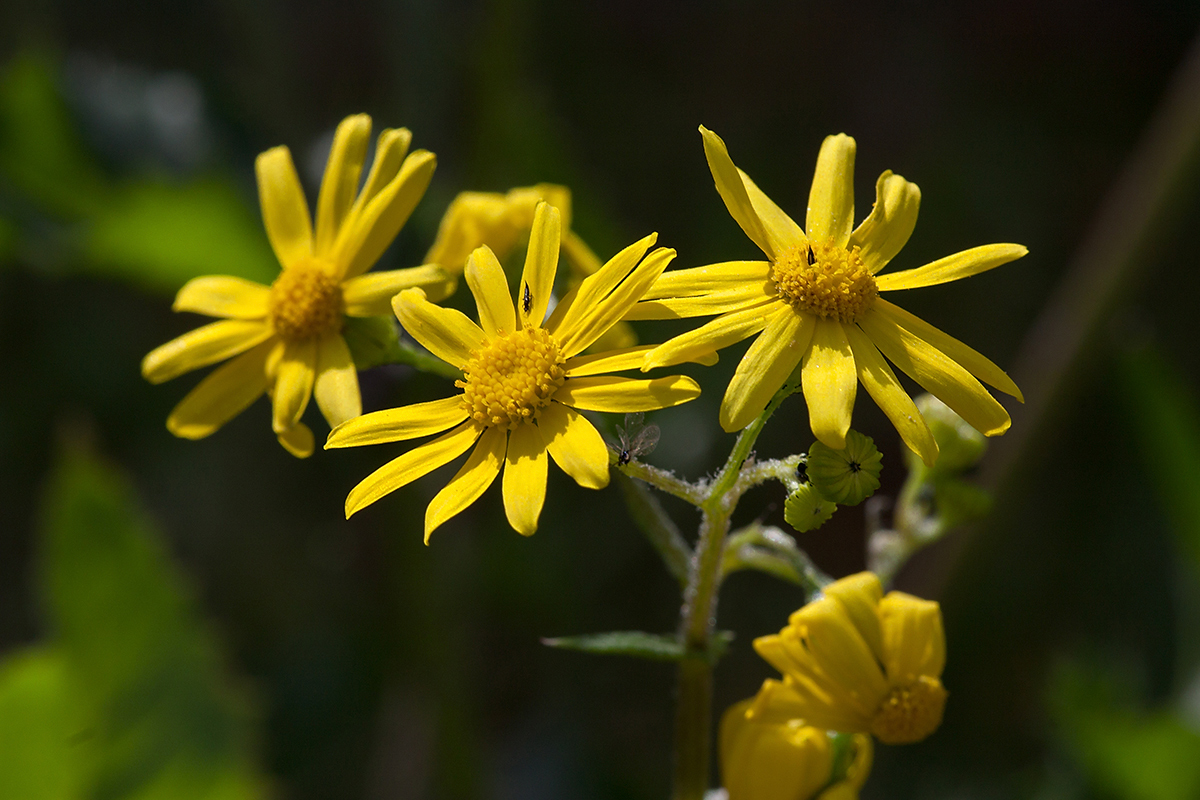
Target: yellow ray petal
{"x": 284, "y": 209}
{"x": 476, "y": 475}
{"x": 766, "y": 365}
{"x": 336, "y": 384}
{"x": 913, "y": 640}
{"x": 294, "y": 378}
{"x": 224, "y": 296}
{"x": 880, "y": 382}
{"x": 726, "y": 276}
{"x": 772, "y": 762}
{"x": 414, "y": 464}
{"x": 713, "y": 335}
{"x": 719, "y": 302}
{"x": 835, "y": 647}
{"x": 733, "y": 191}
{"x": 541, "y": 264}
{"x": 829, "y": 381}
{"x": 206, "y": 345}
{"x": 831, "y": 199}
{"x": 579, "y": 301}
{"x": 222, "y": 395}
{"x": 859, "y": 596}
{"x": 370, "y": 295}
{"x": 937, "y": 374}
{"x": 448, "y": 334}
{"x": 398, "y": 424}
{"x": 297, "y": 440}
{"x": 524, "y": 479}
{"x": 489, "y": 286}
{"x": 390, "y": 151}
{"x": 342, "y": 171}
{"x": 891, "y": 221}
{"x": 618, "y": 360}
{"x": 626, "y": 395}
{"x": 782, "y": 231}
{"x": 575, "y": 445}
{"x": 951, "y": 268}
{"x": 368, "y": 231}
{"x": 581, "y": 257}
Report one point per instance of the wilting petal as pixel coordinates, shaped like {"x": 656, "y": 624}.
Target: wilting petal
{"x": 713, "y": 335}
{"x": 342, "y": 171}
{"x": 294, "y": 378}
{"x": 859, "y": 596}
{"x": 222, "y": 395}
{"x": 887, "y": 228}
{"x": 829, "y": 380}
{"x": 224, "y": 296}
{"x": 831, "y": 199}
{"x": 524, "y": 480}
{"x": 370, "y": 295}
{"x": 626, "y": 395}
{"x": 489, "y": 286}
{"x": 575, "y": 445}
{"x": 448, "y": 334}
{"x": 541, "y": 264}
{"x": 206, "y": 345}
{"x": 763, "y": 761}
{"x": 733, "y": 191}
{"x": 398, "y": 424}
{"x": 951, "y": 268}
{"x": 482, "y": 467}
{"x": 284, "y": 209}
{"x": 336, "y": 384}
{"x": 913, "y": 640}
{"x": 765, "y": 367}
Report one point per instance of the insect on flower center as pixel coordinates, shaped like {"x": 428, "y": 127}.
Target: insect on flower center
{"x": 512, "y": 377}
{"x": 306, "y": 302}
{"x": 824, "y": 279}
{"x": 910, "y": 713}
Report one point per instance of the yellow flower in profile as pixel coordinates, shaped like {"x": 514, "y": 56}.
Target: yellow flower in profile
{"x": 786, "y": 760}
{"x": 815, "y": 303}
{"x": 858, "y": 662}
{"x": 286, "y": 339}
{"x": 524, "y": 382}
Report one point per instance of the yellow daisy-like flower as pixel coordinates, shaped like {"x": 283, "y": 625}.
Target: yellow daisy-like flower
{"x": 286, "y": 339}
{"x": 817, "y": 303}
{"x": 524, "y": 382}
{"x": 786, "y": 760}
{"x": 858, "y": 662}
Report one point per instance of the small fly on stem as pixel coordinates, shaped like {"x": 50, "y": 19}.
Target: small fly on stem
{"x": 636, "y": 439}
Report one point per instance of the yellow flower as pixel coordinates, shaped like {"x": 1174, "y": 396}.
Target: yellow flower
{"x": 858, "y": 662}
{"x": 286, "y": 339}
{"x": 786, "y": 760}
{"x": 816, "y": 302}
{"x": 524, "y": 382}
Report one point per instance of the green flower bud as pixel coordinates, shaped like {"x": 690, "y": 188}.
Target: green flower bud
{"x": 805, "y": 509}
{"x": 849, "y": 476}
{"x": 960, "y": 446}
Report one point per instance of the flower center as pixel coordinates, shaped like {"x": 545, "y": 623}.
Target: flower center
{"x": 306, "y": 302}
{"x": 512, "y": 377}
{"x": 910, "y": 713}
{"x": 824, "y": 279}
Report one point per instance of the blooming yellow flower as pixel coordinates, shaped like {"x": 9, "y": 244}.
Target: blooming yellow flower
{"x": 816, "y": 302}
{"x": 786, "y": 760}
{"x": 524, "y": 382}
{"x": 858, "y": 662}
{"x": 286, "y": 339}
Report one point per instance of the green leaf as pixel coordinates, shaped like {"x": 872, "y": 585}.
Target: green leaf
{"x": 372, "y": 340}
{"x": 650, "y": 646}
{"x": 41, "y": 741}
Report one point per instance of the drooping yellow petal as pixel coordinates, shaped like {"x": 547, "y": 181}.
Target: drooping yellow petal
{"x": 370, "y": 295}
{"x": 448, "y": 334}
{"x": 914, "y": 643}
{"x": 713, "y": 335}
{"x": 626, "y": 395}
{"x": 294, "y": 378}
{"x": 695, "y": 281}
{"x": 618, "y": 360}
{"x": 414, "y": 464}
{"x": 390, "y": 151}
{"x": 859, "y": 596}
{"x": 719, "y": 302}
{"x": 476, "y": 475}
{"x": 284, "y": 209}
{"x": 831, "y": 199}
{"x": 575, "y": 445}
{"x": 733, "y": 191}
{"x": 368, "y": 231}
{"x": 342, "y": 171}
{"x": 836, "y": 649}
{"x": 782, "y": 231}
{"x": 951, "y": 268}
{"x": 398, "y": 424}
{"x": 297, "y": 440}
{"x": 222, "y": 395}
{"x": 779, "y": 702}
{"x": 205, "y": 345}
{"x": 487, "y": 282}
{"x": 581, "y": 300}
{"x": 887, "y": 228}
{"x": 762, "y": 761}
{"x": 336, "y": 384}
{"x": 524, "y": 479}
{"x": 541, "y": 264}
{"x": 765, "y": 367}
{"x": 829, "y": 380}
{"x": 224, "y": 296}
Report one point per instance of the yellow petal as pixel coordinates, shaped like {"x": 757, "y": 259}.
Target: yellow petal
{"x": 733, "y": 190}
{"x": 206, "y": 345}
{"x": 718, "y": 302}
{"x": 779, "y": 702}
{"x": 448, "y": 334}
{"x": 782, "y": 231}
{"x": 471, "y": 220}
{"x": 859, "y": 595}
{"x": 224, "y": 296}
{"x": 336, "y": 384}
{"x": 370, "y": 295}
{"x": 914, "y": 643}
{"x": 618, "y": 360}
{"x": 489, "y": 286}
{"x": 891, "y": 221}
{"x": 580, "y": 301}
{"x": 342, "y": 171}
{"x": 831, "y": 199}
{"x": 837, "y": 655}
{"x": 293, "y": 383}
{"x": 414, "y": 464}
{"x": 476, "y": 475}
{"x": 369, "y": 230}
{"x": 762, "y": 761}
{"x": 524, "y": 480}
{"x": 575, "y": 445}
{"x": 713, "y": 335}
{"x": 581, "y": 257}
{"x": 723, "y": 277}
{"x": 284, "y": 209}
{"x": 541, "y": 264}
{"x": 577, "y": 335}
{"x": 626, "y": 395}
{"x": 398, "y": 424}
{"x": 829, "y": 380}
{"x": 881, "y": 383}
{"x": 222, "y": 395}
{"x": 951, "y": 268}
{"x": 297, "y": 440}
{"x": 765, "y": 367}
{"x": 391, "y": 149}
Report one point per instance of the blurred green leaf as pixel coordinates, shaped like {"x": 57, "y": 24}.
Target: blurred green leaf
{"x": 40, "y": 736}
{"x": 371, "y": 340}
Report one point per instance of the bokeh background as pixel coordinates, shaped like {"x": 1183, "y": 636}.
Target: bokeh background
{"x": 264, "y": 646}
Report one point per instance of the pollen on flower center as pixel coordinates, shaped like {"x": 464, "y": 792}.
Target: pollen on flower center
{"x": 910, "y": 713}
{"x": 512, "y": 377}
{"x": 306, "y": 302}
{"x": 824, "y": 279}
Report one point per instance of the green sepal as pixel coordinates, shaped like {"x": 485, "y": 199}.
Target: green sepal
{"x": 959, "y": 445}
{"x": 847, "y": 476}
{"x": 806, "y": 510}
{"x": 371, "y": 340}
{"x": 638, "y": 644}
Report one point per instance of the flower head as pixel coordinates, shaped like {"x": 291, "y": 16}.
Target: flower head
{"x": 817, "y": 303}
{"x": 524, "y": 382}
{"x": 858, "y": 662}
{"x": 286, "y": 339}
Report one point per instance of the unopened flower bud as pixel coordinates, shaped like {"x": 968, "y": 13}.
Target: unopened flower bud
{"x": 848, "y": 476}
{"x": 806, "y": 510}
{"x": 959, "y": 445}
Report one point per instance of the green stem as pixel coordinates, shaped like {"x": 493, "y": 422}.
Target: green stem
{"x": 649, "y": 516}
{"x": 661, "y": 479}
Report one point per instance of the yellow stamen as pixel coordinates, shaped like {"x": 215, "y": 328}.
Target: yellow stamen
{"x": 306, "y": 302}
{"x": 826, "y": 280}
{"x": 512, "y": 377}
{"x": 910, "y": 713}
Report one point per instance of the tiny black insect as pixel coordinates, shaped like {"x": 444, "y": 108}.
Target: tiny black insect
{"x": 527, "y": 301}
{"x": 812, "y": 259}
{"x": 636, "y": 439}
